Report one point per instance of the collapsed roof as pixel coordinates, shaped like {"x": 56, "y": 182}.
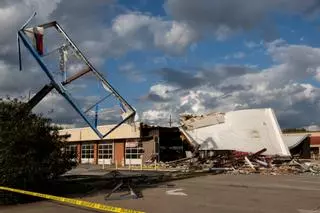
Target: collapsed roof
{"x": 247, "y": 130}
{"x": 293, "y": 140}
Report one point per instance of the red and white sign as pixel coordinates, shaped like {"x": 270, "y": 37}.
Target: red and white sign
{"x": 36, "y": 36}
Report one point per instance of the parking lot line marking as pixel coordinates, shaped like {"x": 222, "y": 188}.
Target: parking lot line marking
{"x": 176, "y": 192}
{"x": 82, "y": 203}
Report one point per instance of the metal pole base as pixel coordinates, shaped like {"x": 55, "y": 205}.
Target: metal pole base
{"x": 132, "y": 194}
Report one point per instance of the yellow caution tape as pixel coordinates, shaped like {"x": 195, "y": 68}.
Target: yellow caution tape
{"x": 82, "y": 203}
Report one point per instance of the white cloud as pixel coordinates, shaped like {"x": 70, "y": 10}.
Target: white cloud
{"x": 160, "y": 60}
{"x": 164, "y": 91}
{"x": 14, "y": 82}
{"x": 222, "y": 33}
{"x": 130, "y": 71}
{"x": 156, "y": 117}
{"x": 313, "y": 128}
{"x": 224, "y": 18}
{"x": 15, "y": 13}
{"x": 127, "y": 66}
{"x": 66, "y": 126}
{"x": 278, "y": 87}
{"x": 225, "y": 88}
{"x": 252, "y": 44}
{"x": 142, "y": 31}
{"x": 317, "y": 76}
{"x": 237, "y": 55}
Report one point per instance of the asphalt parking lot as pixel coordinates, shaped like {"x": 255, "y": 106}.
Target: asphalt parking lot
{"x": 211, "y": 193}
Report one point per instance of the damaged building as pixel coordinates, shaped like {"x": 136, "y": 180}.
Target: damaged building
{"x": 247, "y": 130}
{"x": 126, "y": 145}
{"x": 298, "y": 144}
{"x": 304, "y": 144}
{"x": 243, "y": 130}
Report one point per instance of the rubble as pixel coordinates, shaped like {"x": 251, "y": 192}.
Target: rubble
{"x": 239, "y": 163}
{"x": 241, "y": 142}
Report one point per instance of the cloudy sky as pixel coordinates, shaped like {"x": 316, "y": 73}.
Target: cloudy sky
{"x": 181, "y": 56}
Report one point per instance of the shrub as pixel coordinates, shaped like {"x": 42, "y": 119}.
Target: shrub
{"x": 30, "y": 149}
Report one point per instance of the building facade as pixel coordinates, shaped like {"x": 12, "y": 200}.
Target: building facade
{"x": 126, "y": 145}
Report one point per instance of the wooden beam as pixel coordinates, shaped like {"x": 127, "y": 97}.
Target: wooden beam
{"x": 77, "y": 75}
{"x": 47, "y": 25}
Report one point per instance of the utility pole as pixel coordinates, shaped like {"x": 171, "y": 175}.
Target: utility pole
{"x": 170, "y": 122}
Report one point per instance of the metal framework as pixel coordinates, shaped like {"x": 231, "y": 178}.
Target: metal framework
{"x": 60, "y": 85}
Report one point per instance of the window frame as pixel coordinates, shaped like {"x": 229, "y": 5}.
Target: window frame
{"x": 87, "y": 151}
{"x": 134, "y": 152}
{"x": 70, "y": 149}
{"x": 105, "y": 151}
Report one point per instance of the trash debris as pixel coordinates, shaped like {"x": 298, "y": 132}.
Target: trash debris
{"x": 237, "y": 163}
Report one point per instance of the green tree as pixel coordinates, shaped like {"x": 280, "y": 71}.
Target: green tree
{"x": 30, "y": 148}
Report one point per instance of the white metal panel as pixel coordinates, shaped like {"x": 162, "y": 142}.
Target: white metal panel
{"x": 87, "y": 160}
{"x": 244, "y": 130}
{"x": 133, "y": 161}
{"x": 104, "y": 161}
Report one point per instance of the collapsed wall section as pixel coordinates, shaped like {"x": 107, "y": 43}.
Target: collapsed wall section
{"x": 244, "y": 130}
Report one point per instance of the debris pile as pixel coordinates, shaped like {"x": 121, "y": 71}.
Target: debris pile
{"x": 234, "y": 162}
{"x": 242, "y": 142}
{"x": 256, "y": 163}
{"x": 278, "y": 169}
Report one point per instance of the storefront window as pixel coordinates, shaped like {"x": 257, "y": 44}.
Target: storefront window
{"x": 71, "y": 150}
{"x": 87, "y": 151}
{"x": 134, "y": 150}
{"x": 105, "y": 151}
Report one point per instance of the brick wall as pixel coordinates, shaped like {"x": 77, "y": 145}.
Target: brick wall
{"x": 95, "y": 153}
{"x": 79, "y": 152}
{"x": 314, "y": 140}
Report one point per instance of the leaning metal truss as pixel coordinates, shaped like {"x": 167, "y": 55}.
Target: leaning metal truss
{"x": 59, "y": 86}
